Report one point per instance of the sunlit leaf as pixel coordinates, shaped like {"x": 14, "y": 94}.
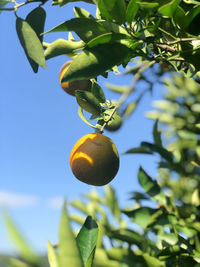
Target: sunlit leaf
{"x": 112, "y": 201}
{"x": 95, "y": 61}
{"x": 62, "y": 47}
{"x": 140, "y": 216}
{"x": 169, "y": 8}
{"x": 52, "y": 256}
{"x": 68, "y": 252}
{"x": 85, "y": 28}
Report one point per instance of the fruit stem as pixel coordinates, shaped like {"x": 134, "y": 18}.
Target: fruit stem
{"x": 110, "y": 117}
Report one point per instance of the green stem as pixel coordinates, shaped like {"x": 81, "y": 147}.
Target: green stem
{"x": 110, "y": 117}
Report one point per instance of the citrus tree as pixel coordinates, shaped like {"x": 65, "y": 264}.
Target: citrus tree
{"x": 156, "y": 37}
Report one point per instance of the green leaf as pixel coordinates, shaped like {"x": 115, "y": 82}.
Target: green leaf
{"x": 36, "y": 19}
{"x": 82, "y": 13}
{"x": 97, "y": 91}
{"x": 132, "y": 10}
{"x": 68, "y": 252}
{"x": 169, "y": 8}
{"x": 64, "y": 2}
{"x": 162, "y": 151}
{"x": 80, "y": 205}
{"x": 113, "y": 10}
{"x": 77, "y": 218}
{"x": 24, "y": 249}
{"x": 87, "y": 238}
{"x": 108, "y": 37}
{"x": 139, "y": 150}
{"x": 126, "y": 235}
{"x": 52, "y": 256}
{"x": 17, "y": 263}
{"x": 62, "y": 47}
{"x": 95, "y": 61}
{"x": 30, "y": 43}
{"x": 152, "y": 261}
{"x": 172, "y": 251}
{"x": 157, "y": 134}
{"x": 85, "y": 28}
{"x": 117, "y": 88}
{"x": 80, "y": 113}
{"x": 148, "y": 5}
{"x": 191, "y": 14}
{"x": 151, "y": 187}
{"x": 3, "y": 3}
{"x": 169, "y": 238}
{"x": 88, "y": 102}
{"x": 112, "y": 201}
{"x": 140, "y": 216}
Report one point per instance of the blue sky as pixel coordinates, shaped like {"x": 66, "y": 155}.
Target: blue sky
{"x": 40, "y": 125}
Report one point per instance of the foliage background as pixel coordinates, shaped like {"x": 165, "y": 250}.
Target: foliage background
{"x": 39, "y": 125}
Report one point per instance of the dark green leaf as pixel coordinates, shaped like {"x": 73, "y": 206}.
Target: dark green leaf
{"x": 139, "y": 150}
{"x": 82, "y": 13}
{"x": 139, "y": 196}
{"x": 3, "y": 3}
{"x": 85, "y": 28}
{"x": 87, "y": 238}
{"x": 150, "y": 186}
{"x": 64, "y": 2}
{"x": 88, "y": 102}
{"x": 62, "y": 47}
{"x": 162, "y": 151}
{"x": 113, "y": 10}
{"x": 157, "y": 135}
{"x": 132, "y": 10}
{"x": 95, "y": 61}
{"x": 30, "y": 42}
{"x": 68, "y": 252}
{"x": 97, "y": 91}
{"x": 172, "y": 251}
{"x": 36, "y": 19}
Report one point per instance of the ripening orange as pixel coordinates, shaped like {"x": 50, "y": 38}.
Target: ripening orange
{"x": 71, "y": 87}
{"x": 94, "y": 159}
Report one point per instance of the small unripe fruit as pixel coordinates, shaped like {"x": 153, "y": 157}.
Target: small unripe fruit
{"x": 94, "y": 159}
{"x": 71, "y": 87}
{"x": 114, "y": 124}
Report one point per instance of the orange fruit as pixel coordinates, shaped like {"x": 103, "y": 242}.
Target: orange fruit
{"x": 94, "y": 159}
{"x": 70, "y": 87}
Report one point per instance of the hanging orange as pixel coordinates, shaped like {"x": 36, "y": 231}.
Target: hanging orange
{"x": 94, "y": 159}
